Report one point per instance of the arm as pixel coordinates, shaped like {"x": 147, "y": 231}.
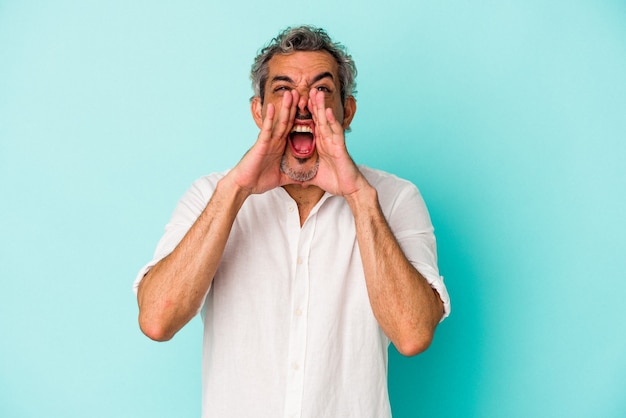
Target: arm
{"x": 407, "y": 308}
{"x": 172, "y": 292}
{"x": 404, "y": 304}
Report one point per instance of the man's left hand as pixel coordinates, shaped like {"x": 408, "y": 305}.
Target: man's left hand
{"x": 338, "y": 174}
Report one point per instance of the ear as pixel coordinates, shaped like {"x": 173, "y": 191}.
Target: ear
{"x": 349, "y": 109}
{"x": 257, "y": 111}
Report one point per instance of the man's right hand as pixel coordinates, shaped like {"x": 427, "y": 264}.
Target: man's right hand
{"x": 259, "y": 169}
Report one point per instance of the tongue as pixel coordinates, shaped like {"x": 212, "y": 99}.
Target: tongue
{"x": 302, "y": 142}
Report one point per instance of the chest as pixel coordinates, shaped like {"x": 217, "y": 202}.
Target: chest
{"x": 272, "y": 264}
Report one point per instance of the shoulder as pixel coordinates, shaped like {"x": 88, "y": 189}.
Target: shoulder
{"x": 195, "y": 198}
{"x": 203, "y": 187}
{"x": 387, "y": 183}
{"x": 379, "y": 177}
{"x": 209, "y": 181}
{"x": 399, "y": 198}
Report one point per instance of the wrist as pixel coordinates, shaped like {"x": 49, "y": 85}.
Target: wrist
{"x": 229, "y": 189}
{"x": 363, "y": 198}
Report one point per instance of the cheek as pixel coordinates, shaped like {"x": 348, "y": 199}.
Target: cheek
{"x": 338, "y": 112}
{"x": 335, "y": 104}
{"x": 266, "y": 102}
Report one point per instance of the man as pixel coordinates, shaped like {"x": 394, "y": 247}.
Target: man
{"x": 303, "y": 265}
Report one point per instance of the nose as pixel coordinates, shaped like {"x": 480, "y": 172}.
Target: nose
{"x": 303, "y": 102}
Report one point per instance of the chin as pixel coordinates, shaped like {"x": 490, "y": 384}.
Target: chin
{"x": 300, "y": 169}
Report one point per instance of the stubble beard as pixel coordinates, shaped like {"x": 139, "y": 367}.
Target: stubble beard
{"x": 299, "y": 174}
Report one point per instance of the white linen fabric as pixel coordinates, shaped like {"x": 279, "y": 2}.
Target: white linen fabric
{"x": 288, "y": 327}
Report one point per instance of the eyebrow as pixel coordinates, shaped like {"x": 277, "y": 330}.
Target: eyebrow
{"x": 320, "y": 76}
{"x": 282, "y": 78}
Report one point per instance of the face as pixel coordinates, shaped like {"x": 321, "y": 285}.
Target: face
{"x": 302, "y": 71}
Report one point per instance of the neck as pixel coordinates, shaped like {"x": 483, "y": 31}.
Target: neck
{"x": 305, "y": 197}
{"x": 309, "y": 195}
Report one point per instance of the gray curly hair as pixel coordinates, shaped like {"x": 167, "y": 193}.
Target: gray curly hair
{"x": 304, "y": 38}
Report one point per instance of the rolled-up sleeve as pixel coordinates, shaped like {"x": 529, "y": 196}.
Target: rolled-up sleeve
{"x": 409, "y": 220}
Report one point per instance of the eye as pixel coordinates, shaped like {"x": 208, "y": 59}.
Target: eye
{"x": 323, "y": 89}
{"x": 280, "y": 89}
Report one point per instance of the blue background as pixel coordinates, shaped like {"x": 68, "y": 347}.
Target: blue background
{"x": 510, "y": 116}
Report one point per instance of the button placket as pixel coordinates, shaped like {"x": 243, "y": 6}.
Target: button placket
{"x": 299, "y": 321}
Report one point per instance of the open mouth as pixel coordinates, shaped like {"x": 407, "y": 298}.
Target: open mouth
{"x": 302, "y": 141}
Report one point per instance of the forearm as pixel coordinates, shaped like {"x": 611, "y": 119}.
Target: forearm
{"x": 405, "y": 305}
{"x": 173, "y": 290}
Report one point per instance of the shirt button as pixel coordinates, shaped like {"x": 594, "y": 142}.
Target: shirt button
{"x": 290, "y": 209}
{"x": 298, "y": 312}
{"x": 299, "y": 261}
{"x": 295, "y": 366}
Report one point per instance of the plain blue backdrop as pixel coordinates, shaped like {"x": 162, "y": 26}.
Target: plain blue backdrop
{"x": 510, "y": 117}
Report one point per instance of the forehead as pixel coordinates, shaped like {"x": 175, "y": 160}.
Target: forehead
{"x": 305, "y": 64}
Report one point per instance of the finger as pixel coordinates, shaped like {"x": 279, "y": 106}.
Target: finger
{"x": 317, "y": 111}
{"x": 332, "y": 121}
{"x": 312, "y": 110}
{"x": 285, "y": 116}
{"x": 268, "y": 122}
{"x": 326, "y": 115}
{"x": 295, "y": 99}
{"x": 319, "y": 106}
{"x": 311, "y": 105}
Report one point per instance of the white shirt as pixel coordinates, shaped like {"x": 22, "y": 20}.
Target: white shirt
{"x": 288, "y": 327}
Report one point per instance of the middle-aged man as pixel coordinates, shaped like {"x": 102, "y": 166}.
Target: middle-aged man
{"x": 304, "y": 266}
